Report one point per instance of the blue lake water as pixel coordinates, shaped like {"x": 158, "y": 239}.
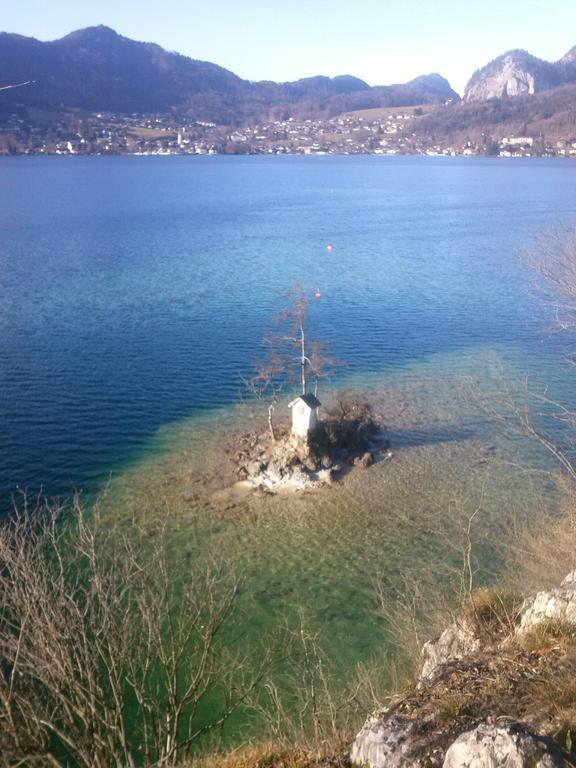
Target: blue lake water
{"x": 134, "y": 291}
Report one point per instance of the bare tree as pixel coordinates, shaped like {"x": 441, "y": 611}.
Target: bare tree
{"x": 291, "y": 355}
{"x": 266, "y": 384}
{"x": 532, "y": 409}
{"x": 108, "y": 656}
{"x": 529, "y": 407}
{"x": 293, "y": 318}
{"x": 322, "y": 363}
{"x": 314, "y": 705}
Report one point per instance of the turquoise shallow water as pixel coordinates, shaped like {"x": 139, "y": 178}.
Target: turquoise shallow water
{"x": 134, "y": 291}
{"x": 398, "y": 528}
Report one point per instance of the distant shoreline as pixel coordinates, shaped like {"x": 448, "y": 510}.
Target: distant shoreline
{"x": 20, "y": 155}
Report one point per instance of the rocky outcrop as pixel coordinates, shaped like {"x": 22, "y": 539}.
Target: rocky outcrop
{"x": 555, "y": 605}
{"x": 515, "y": 73}
{"x": 457, "y": 641}
{"x": 569, "y": 57}
{"x": 512, "y": 746}
{"x": 384, "y": 743}
{"x": 486, "y": 697}
{"x": 390, "y": 744}
{"x": 394, "y": 742}
{"x": 365, "y": 460}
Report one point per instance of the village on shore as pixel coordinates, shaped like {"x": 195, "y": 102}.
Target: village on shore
{"x": 388, "y": 131}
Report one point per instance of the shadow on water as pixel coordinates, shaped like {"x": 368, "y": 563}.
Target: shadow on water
{"x": 412, "y": 438}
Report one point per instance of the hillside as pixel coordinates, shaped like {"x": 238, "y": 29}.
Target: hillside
{"x": 548, "y": 117}
{"x": 516, "y": 95}
{"x": 98, "y": 70}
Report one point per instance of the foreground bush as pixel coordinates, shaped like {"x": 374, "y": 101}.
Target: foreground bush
{"x": 107, "y": 656}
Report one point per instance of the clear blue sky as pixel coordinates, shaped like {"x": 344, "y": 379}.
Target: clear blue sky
{"x": 381, "y": 41}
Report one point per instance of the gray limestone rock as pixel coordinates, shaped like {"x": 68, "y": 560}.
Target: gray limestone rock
{"x": 490, "y": 746}
{"x": 384, "y": 742}
{"x": 254, "y": 468}
{"x": 366, "y": 460}
{"x": 456, "y": 642}
{"x": 557, "y": 605}
{"x": 326, "y": 462}
{"x": 570, "y": 580}
{"x": 326, "y": 476}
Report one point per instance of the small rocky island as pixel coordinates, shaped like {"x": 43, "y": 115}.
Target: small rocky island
{"x": 314, "y": 450}
{"x": 317, "y": 446}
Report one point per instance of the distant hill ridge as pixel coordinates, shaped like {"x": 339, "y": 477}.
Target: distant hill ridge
{"x": 96, "y": 69}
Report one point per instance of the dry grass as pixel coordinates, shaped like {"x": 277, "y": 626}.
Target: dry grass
{"x": 551, "y": 701}
{"x": 548, "y": 636}
{"x": 493, "y": 612}
{"x": 275, "y": 755}
{"x": 453, "y": 705}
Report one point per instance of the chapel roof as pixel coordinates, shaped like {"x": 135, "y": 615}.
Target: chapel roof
{"x": 310, "y": 400}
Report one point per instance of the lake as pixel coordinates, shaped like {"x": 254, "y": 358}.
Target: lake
{"x": 134, "y": 291}
{"x": 134, "y": 294}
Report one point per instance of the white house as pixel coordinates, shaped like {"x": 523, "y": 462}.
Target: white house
{"x": 304, "y": 414}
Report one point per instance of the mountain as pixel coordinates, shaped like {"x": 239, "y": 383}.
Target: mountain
{"x": 518, "y": 73}
{"x": 570, "y": 57}
{"x": 547, "y": 116}
{"x": 434, "y": 85}
{"x": 516, "y": 94}
{"x": 98, "y": 70}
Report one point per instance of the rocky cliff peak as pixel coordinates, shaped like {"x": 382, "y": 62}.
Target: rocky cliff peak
{"x": 570, "y": 57}
{"x": 514, "y": 73}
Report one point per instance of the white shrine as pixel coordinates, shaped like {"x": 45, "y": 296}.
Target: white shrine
{"x": 304, "y": 414}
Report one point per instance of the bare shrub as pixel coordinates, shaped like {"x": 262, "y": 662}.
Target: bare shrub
{"x": 305, "y": 706}
{"x": 349, "y": 423}
{"x": 552, "y": 257}
{"x": 108, "y": 656}
{"x": 307, "y": 714}
{"x": 544, "y": 550}
{"x": 459, "y": 587}
{"x": 493, "y": 612}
